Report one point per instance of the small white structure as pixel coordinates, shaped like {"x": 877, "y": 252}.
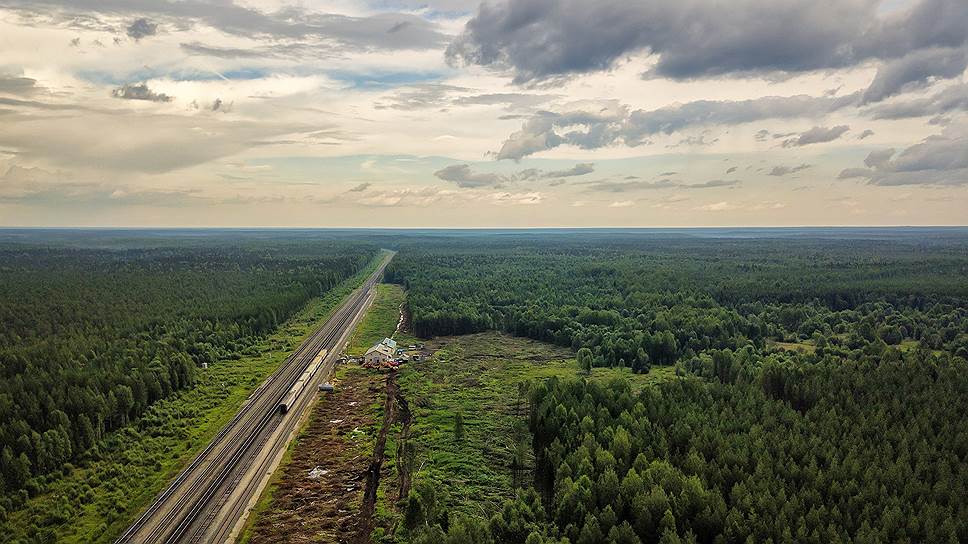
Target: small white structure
{"x": 381, "y": 352}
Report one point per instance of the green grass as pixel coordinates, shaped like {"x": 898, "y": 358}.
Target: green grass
{"x": 95, "y": 503}
{"x": 380, "y": 320}
{"x": 478, "y": 375}
{"x": 805, "y": 347}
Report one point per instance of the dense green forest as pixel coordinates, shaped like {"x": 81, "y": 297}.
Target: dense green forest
{"x": 640, "y": 301}
{"x": 821, "y": 391}
{"x": 95, "y": 329}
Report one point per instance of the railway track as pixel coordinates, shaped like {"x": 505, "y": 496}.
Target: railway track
{"x": 217, "y": 481}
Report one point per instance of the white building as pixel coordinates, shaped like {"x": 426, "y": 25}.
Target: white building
{"x": 378, "y": 354}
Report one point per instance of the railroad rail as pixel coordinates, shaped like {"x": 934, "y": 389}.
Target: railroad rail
{"x": 184, "y": 511}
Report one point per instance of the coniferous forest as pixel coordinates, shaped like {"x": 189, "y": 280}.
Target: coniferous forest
{"x": 821, "y": 390}
{"x": 94, "y": 329}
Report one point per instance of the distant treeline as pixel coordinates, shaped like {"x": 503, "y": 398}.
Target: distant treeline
{"x": 90, "y": 338}
{"x": 660, "y": 301}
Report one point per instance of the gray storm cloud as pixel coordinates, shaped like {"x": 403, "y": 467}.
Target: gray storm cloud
{"x": 542, "y": 39}
{"x": 915, "y": 69}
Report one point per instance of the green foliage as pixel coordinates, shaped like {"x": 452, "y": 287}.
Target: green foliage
{"x": 380, "y": 321}
{"x": 797, "y": 455}
{"x": 95, "y": 342}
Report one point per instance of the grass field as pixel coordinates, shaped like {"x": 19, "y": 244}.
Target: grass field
{"x": 95, "y": 503}
{"x": 478, "y": 376}
{"x": 380, "y": 320}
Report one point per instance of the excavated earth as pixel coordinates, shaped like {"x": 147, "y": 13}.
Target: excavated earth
{"x": 319, "y": 493}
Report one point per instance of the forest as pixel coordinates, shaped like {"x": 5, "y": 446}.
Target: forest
{"x": 820, "y": 391}
{"x": 96, "y": 328}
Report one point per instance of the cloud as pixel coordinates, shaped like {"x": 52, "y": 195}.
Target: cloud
{"x": 141, "y": 140}
{"x": 30, "y": 185}
{"x": 865, "y": 134}
{"x": 916, "y": 69}
{"x": 197, "y": 48}
{"x": 817, "y": 135}
{"x": 938, "y": 160}
{"x": 784, "y": 170}
{"x": 612, "y": 123}
{"x": 641, "y": 185}
{"x": 712, "y": 184}
{"x": 286, "y": 24}
{"x": 517, "y": 199}
{"x": 139, "y": 91}
{"x": 544, "y": 39}
{"x": 360, "y": 188}
{"x": 731, "y": 169}
{"x": 142, "y": 28}
{"x": 951, "y": 98}
{"x": 438, "y": 95}
{"x": 621, "y": 204}
{"x": 463, "y": 176}
{"x": 579, "y": 169}
{"x": 725, "y": 206}
{"x": 17, "y": 85}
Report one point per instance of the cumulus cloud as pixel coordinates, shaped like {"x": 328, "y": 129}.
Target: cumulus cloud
{"x": 542, "y": 39}
{"x": 612, "y": 123}
{"x": 142, "y": 28}
{"x": 867, "y": 133}
{"x": 817, "y": 135}
{"x": 916, "y": 69}
{"x": 940, "y": 160}
{"x": 140, "y": 91}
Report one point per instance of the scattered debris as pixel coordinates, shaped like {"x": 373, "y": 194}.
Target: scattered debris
{"x": 317, "y": 472}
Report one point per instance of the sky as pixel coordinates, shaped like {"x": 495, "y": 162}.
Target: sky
{"x": 507, "y": 113}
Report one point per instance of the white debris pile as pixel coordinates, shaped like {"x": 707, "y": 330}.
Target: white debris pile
{"x": 317, "y": 473}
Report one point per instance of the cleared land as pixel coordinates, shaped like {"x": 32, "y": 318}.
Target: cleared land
{"x": 476, "y": 375}
{"x": 315, "y": 496}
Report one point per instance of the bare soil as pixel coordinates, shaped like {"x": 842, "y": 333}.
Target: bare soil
{"x": 337, "y": 446}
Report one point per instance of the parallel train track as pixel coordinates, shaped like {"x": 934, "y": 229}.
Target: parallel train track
{"x": 178, "y": 514}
